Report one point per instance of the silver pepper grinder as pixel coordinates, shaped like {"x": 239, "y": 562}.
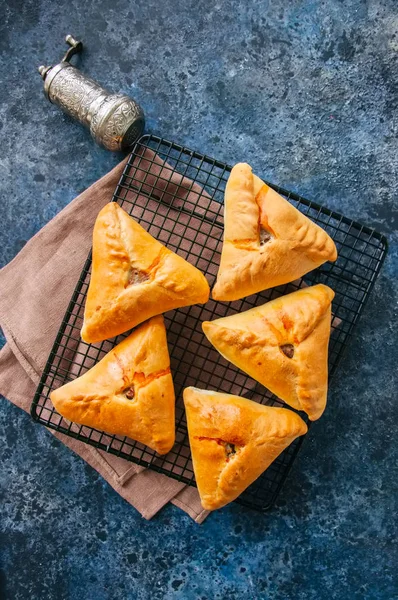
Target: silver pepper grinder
{"x": 115, "y": 120}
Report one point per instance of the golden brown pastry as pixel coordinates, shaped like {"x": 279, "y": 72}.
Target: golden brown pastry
{"x": 283, "y": 345}
{"x": 134, "y": 277}
{"x": 267, "y": 242}
{"x": 233, "y": 441}
{"x": 129, "y": 392}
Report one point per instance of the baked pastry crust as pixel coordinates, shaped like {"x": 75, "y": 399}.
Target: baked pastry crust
{"x": 129, "y": 392}
{"x": 134, "y": 277}
{"x": 267, "y": 241}
{"x": 283, "y": 345}
{"x": 233, "y": 441}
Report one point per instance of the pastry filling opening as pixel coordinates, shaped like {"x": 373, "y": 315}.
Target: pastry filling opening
{"x": 265, "y": 236}
{"x": 135, "y": 276}
{"x": 230, "y": 449}
{"x": 129, "y": 393}
{"x": 288, "y": 350}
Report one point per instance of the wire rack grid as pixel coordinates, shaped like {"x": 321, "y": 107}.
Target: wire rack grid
{"x": 176, "y": 194}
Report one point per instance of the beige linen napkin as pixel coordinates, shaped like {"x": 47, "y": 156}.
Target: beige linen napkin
{"x": 35, "y": 289}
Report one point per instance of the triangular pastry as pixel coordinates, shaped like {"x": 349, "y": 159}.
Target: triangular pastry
{"x": 134, "y": 277}
{"x": 267, "y": 242}
{"x": 129, "y": 392}
{"x": 233, "y": 441}
{"x": 283, "y": 345}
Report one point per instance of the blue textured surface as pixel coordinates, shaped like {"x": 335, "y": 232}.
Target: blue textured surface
{"x": 307, "y": 93}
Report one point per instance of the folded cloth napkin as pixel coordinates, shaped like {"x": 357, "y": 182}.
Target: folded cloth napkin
{"x": 35, "y": 289}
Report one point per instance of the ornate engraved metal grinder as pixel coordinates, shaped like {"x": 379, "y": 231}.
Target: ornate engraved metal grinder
{"x": 115, "y": 120}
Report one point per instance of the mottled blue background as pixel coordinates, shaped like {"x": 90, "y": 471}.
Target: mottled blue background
{"x": 307, "y": 92}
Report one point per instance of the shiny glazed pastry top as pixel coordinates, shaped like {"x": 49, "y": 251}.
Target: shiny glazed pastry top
{"x": 283, "y": 344}
{"x": 233, "y": 441}
{"x": 134, "y": 277}
{"x": 129, "y": 392}
{"x": 267, "y": 242}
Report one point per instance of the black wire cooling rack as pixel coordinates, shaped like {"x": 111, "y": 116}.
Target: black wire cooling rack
{"x": 176, "y": 194}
